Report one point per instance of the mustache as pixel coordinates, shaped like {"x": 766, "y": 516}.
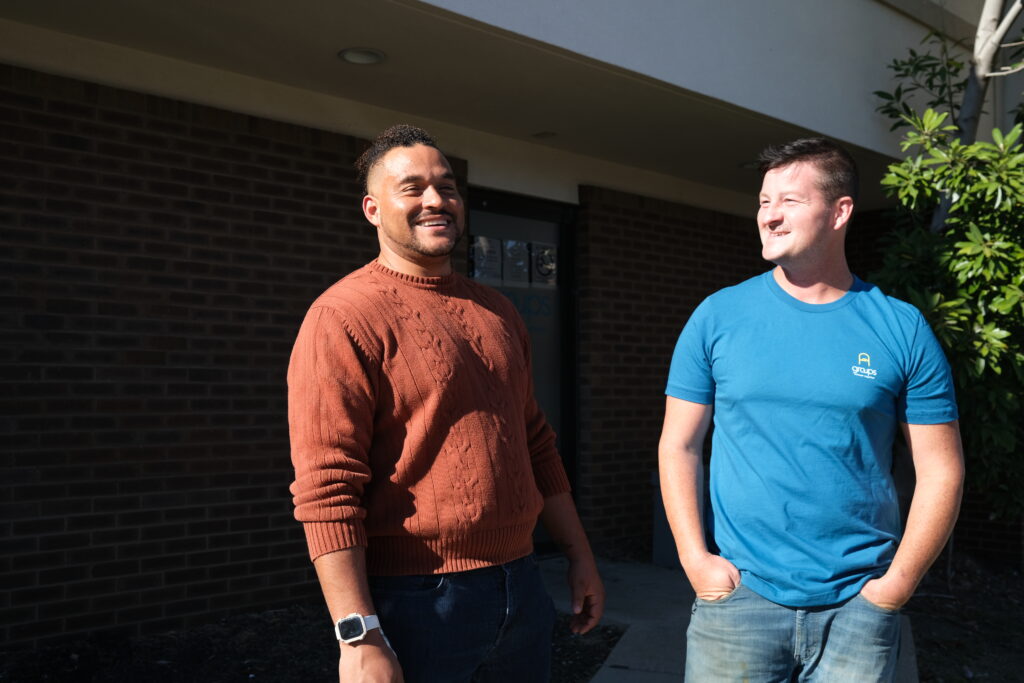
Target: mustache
{"x": 435, "y": 214}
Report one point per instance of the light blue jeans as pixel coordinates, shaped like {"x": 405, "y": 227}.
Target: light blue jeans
{"x": 744, "y": 637}
{"x": 490, "y": 625}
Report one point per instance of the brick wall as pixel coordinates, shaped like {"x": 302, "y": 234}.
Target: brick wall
{"x": 157, "y": 258}
{"x": 644, "y": 265}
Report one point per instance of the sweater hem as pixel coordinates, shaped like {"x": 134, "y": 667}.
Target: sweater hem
{"x": 405, "y": 555}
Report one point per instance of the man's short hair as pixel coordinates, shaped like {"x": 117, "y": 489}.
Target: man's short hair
{"x": 837, "y": 167}
{"x": 402, "y": 135}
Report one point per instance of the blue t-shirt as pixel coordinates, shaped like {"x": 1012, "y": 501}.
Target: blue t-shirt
{"x": 807, "y": 400}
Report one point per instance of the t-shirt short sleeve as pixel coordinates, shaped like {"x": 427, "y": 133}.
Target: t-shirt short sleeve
{"x": 689, "y": 375}
{"x": 928, "y": 397}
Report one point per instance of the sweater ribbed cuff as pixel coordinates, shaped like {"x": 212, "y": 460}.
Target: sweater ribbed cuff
{"x": 551, "y": 479}
{"x": 329, "y": 537}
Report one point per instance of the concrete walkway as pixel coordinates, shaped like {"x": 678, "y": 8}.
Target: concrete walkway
{"x": 653, "y": 604}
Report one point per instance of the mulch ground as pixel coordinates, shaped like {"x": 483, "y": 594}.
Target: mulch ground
{"x": 281, "y": 646}
{"x": 968, "y": 625}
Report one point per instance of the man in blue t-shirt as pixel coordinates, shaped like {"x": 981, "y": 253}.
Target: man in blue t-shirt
{"x": 797, "y": 557}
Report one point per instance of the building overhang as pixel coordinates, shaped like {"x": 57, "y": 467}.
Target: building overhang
{"x": 445, "y": 67}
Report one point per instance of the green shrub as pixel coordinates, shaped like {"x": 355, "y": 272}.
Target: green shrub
{"x": 968, "y": 281}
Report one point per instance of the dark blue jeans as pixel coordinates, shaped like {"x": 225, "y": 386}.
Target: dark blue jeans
{"x": 485, "y": 625}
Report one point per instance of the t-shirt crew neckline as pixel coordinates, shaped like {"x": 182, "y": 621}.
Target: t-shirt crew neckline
{"x": 788, "y": 299}
{"x": 420, "y": 282}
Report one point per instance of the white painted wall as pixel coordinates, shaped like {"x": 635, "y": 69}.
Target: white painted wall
{"x": 814, "y": 63}
{"x": 494, "y": 161}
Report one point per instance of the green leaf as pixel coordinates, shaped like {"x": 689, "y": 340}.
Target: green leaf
{"x": 968, "y": 279}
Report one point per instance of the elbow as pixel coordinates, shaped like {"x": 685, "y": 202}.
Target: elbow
{"x": 947, "y": 480}
{"x": 956, "y": 472}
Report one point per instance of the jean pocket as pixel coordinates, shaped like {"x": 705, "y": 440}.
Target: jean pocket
{"x": 877, "y": 608}
{"x": 418, "y": 584}
{"x": 725, "y": 598}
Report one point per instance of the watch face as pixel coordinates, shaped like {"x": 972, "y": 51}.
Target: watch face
{"x": 350, "y": 627}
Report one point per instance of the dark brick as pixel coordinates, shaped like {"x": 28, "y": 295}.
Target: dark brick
{"x": 66, "y": 141}
{"x": 154, "y": 295}
{"x": 40, "y": 628}
{"x": 62, "y": 575}
{"x": 37, "y": 595}
{"x": 161, "y": 625}
{"x": 93, "y": 622}
{"x": 15, "y": 616}
{"x": 113, "y": 602}
{"x": 114, "y": 569}
{"x": 63, "y": 608}
{"x": 139, "y": 582}
{"x": 64, "y": 541}
{"x": 39, "y": 526}
{"x": 114, "y": 536}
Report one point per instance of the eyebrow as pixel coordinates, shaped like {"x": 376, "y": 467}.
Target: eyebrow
{"x": 784, "y": 193}
{"x": 418, "y": 178}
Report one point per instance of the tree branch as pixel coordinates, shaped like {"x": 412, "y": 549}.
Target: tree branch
{"x": 1007, "y": 70}
{"x": 948, "y": 77}
{"x": 1008, "y": 19}
{"x": 991, "y": 32}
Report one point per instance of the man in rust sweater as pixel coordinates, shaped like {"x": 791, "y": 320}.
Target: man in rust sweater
{"x": 422, "y": 461}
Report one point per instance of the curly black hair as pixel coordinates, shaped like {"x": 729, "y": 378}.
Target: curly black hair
{"x": 838, "y": 169}
{"x": 401, "y": 135}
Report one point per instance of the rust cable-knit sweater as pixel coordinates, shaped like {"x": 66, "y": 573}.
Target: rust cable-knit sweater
{"x": 414, "y": 427}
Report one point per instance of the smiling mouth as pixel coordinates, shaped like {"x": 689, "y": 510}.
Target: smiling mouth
{"x": 435, "y": 222}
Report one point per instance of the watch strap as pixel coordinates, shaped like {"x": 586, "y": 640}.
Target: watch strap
{"x": 370, "y": 621}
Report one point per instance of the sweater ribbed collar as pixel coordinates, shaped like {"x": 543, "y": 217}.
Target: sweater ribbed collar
{"x": 436, "y": 283}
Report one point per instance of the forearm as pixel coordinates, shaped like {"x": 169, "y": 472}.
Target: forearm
{"x": 343, "y": 581}
{"x": 680, "y": 462}
{"x": 933, "y": 512}
{"x": 938, "y": 464}
{"x": 681, "y": 470}
{"x": 562, "y": 522}
{"x": 342, "y": 577}
{"x": 682, "y": 492}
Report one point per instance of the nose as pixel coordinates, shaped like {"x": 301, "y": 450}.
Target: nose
{"x": 432, "y": 198}
{"x": 769, "y": 215}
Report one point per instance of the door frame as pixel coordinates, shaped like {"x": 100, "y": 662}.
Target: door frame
{"x": 564, "y": 215}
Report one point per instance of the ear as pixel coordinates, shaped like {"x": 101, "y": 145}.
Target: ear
{"x": 371, "y": 210}
{"x": 842, "y": 212}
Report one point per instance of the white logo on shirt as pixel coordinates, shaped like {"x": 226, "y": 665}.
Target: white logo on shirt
{"x": 863, "y": 367}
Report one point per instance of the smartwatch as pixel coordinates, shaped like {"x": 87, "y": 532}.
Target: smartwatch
{"x": 353, "y": 628}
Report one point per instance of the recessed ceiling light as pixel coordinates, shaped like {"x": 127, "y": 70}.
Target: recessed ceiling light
{"x": 363, "y": 56}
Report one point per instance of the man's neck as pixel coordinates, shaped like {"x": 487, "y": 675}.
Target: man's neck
{"x": 815, "y": 287}
{"x": 430, "y": 267}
